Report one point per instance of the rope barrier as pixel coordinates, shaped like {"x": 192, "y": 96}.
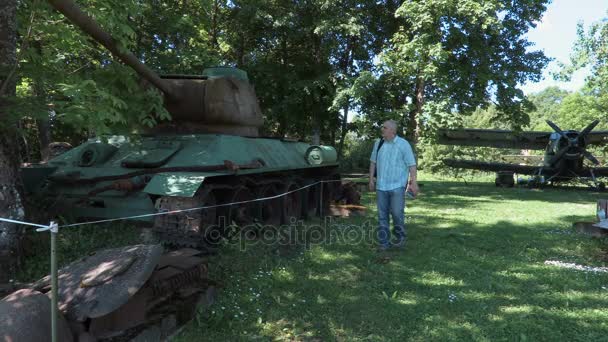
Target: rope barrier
{"x": 53, "y": 228}
{"x": 42, "y": 228}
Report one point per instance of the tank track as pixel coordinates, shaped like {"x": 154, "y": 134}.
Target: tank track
{"x": 186, "y": 229}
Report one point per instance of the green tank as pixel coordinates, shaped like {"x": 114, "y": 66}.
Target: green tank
{"x": 210, "y": 153}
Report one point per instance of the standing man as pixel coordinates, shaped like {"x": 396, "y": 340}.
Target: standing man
{"x": 394, "y": 163}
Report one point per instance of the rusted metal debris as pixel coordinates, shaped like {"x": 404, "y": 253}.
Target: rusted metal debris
{"x": 347, "y": 201}
{"x": 25, "y": 315}
{"x": 121, "y": 293}
{"x": 349, "y": 194}
{"x": 346, "y": 210}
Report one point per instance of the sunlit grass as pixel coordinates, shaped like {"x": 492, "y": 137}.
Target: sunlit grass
{"x": 473, "y": 270}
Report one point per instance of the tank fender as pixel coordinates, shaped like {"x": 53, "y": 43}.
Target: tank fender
{"x": 179, "y": 184}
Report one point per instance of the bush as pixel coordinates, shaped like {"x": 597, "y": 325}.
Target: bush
{"x": 356, "y": 156}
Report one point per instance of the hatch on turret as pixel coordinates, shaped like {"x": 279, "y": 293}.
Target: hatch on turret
{"x": 215, "y": 72}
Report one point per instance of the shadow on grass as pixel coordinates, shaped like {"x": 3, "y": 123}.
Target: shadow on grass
{"x": 464, "y": 281}
{"x": 72, "y": 243}
{"x": 487, "y": 192}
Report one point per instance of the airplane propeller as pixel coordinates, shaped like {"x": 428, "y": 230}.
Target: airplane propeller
{"x": 588, "y": 129}
{"x": 575, "y": 144}
{"x": 556, "y": 128}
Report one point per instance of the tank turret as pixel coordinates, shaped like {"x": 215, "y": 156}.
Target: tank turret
{"x": 220, "y": 101}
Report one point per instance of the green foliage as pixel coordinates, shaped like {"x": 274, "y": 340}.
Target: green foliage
{"x": 358, "y": 151}
{"x": 432, "y": 154}
{"x": 590, "y": 50}
{"x": 465, "y": 54}
{"x": 548, "y": 103}
{"x": 67, "y": 79}
{"x": 310, "y": 66}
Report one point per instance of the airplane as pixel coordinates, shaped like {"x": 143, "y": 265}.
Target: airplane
{"x": 563, "y": 159}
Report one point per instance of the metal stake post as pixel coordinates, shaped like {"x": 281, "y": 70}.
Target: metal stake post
{"x": 54, "y": 228}
{"x": 321, "y": 200}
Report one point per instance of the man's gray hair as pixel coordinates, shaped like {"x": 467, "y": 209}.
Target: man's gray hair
{"x": 393, "y": 124}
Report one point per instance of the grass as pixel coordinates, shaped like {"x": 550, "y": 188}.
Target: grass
{"x": 72, "y": 244}
{"x": 473, "y": 270}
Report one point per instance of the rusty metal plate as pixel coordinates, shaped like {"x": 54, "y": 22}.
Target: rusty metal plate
{"x": 129, "y": 315}
{"x": 184, "y": 263}
{"x": 100, "y": 283}
{"x": 25, "y": 315}
{"x": 169, "y": 258}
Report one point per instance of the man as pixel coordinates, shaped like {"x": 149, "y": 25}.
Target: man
{"x": 394, "y": 162}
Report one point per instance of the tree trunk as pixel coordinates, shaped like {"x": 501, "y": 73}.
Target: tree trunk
{"x": 214, "y": 26}
{"x": 413, "y": 131}
{"x": 10, "y": 199}
{"x": 44, "y": 123}
{"x": 44, "y": 138}
{"x": 346, "y": 64}
{"x": 344, "y": 130}
{"x": 316, "y": 135}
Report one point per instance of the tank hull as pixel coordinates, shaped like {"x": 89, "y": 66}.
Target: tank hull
{"x": 122, "y": 177}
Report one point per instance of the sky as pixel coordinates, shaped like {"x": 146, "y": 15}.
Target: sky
{"x": 555, "y": 34}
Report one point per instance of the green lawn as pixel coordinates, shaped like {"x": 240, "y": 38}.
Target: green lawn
{"x": 473, "y": 270}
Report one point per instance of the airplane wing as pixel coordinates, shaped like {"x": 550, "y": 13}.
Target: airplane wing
{"x": 599, "y": 172}
{"x": 495, "y": 138}
{"x": 495, "y": 167}
{"x": 522, "y": 159}
{"x": 597, "y": 138}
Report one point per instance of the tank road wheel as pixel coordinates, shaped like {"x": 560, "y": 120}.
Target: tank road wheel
{"x": 270, "y": 210}
{"x": 291, "y": 203}
{"x": 243, "y": 214}
{"x": 311, "y": 204}
{"x": 186, "y": 229}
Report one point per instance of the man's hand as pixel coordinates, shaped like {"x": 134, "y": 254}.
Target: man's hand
{"x": 413, "y": 187}
{"x": 413, "y": 184}
{"x": 372, "y": 184}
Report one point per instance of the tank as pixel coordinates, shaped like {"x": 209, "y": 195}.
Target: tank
{"x": 210, "y": 153}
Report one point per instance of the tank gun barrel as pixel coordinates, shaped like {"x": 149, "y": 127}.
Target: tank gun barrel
{"x": 214, "y": 103}
{"x": 89, "y": 26}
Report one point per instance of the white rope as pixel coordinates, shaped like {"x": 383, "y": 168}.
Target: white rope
{"x": 171, "y": 212}
{"x": 24, "y": 223}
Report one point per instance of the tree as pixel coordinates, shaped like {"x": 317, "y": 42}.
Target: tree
{"x": 11, "y": 205}
{"x": 591, "y": 50}
{"x": 356, "y": 36}
{"x": 547, "y": 103}
{"x": 462, "y": 55}
{"x": 64, "y": 72}
{"x": 278, "y": 43}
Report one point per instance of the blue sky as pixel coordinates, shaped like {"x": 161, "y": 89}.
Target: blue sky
{"x": 555, "y": 34}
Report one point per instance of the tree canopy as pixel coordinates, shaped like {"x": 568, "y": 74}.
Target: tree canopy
{"x": 313, "y": 63}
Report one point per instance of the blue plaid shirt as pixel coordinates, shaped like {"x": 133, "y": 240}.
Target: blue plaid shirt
{"x": 393, "y": 163}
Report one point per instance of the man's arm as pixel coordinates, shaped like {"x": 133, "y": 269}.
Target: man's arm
{"x": 372, "y": 181}
{"x": 413, "y": 183}
{"x": 372, "y": 166}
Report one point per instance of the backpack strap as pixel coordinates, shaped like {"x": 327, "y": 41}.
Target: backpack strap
{"x": 378, "y": 149}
